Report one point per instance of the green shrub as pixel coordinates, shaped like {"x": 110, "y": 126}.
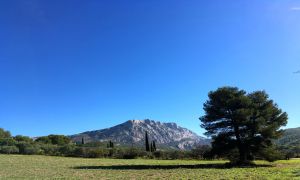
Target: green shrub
{"x": 54, "y": 139}
{"x": 66, "y": 150}
{"x": 26, "y": 148}
{"x": 50, "y": 149}
{"x": 96, "y": 153}
{"x": 7, "y": 142}
{"x": 79, "y": 152}
{"x": 9, "y": 149}
{"x": 271, "y": 154}
{"x": 20, "y": 138}
{"x": 200, "y": 152}
{"x": 4, "y": 134}
{"x": 158, "y": 154}
{"x": 131, "y": 154}
{"x": 175, "y": 154}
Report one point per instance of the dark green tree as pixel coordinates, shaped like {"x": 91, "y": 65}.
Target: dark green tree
{"x": 242, "y": 123}
{"x": 151, "y": 147}
{"x": 154, "y": 145}
{"x": 54, "y": 139}
{"x": 147, "y": 142}
{"x": 82, "y": 140}
{"x": 110, "y": 144}
{"x": 21, "y": 138}
{"x": 4, "y": 134}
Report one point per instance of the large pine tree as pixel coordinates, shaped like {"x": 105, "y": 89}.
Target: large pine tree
{"x": 246, "y": 122}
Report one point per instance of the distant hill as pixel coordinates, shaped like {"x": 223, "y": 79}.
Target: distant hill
{"x": 291, "y": 137}
{"x": 132, "y": 132}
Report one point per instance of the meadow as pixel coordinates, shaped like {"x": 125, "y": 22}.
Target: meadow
{"x": 51, "y": 167}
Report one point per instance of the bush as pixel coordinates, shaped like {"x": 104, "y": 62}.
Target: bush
{"x": 96, "y": 153}
{"x": 158, "y": 154}
{"x": 66, "y": 150}
{"x": 89, "y": 152}
{"x": 26, "y": 148}
{"x": 131, "y": 154}
{"x": 4, "y": 134}
{"x": 9, "y": 149}
{"x": 289, "y": 155}
{"x": 49, "y": 149}
{"x": 271, "y": 154}
{"x": 176, "y": 154}
{"x": 79, "y": 152}
{"x": 20, "y": 138}
{"x": 7, "y": 142}
{"x": 200, "y": 152}
{"x": 54, "y": 139}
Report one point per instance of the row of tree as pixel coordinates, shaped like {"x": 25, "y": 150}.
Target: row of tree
{"x": 149, "y": 147}
{"x": 59, "y": 145}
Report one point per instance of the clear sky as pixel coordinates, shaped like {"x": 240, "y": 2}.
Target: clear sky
{"x": 68, "y": 66}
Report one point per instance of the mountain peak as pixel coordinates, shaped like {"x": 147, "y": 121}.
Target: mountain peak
{"x": 133, "y": 132}
{"x": 152, "y": 122}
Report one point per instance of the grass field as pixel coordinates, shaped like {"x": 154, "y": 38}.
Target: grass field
{"x": 47, "y": 167}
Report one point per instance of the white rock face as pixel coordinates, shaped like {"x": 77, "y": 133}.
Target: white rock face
{"x": 133, "y": 132}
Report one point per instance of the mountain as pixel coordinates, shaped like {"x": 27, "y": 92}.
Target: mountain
{"x": 168, "y": 135}
{"x": 291, "y": 137}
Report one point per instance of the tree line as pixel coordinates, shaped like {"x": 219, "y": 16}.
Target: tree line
{"x": 60, "y": 145}
{"x": 149, "y": 147}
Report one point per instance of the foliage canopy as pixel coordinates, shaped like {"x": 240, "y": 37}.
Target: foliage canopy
{"x": 242, "y": 122}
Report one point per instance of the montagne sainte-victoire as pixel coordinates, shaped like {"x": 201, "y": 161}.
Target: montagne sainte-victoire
{"x": 132, "y": 132}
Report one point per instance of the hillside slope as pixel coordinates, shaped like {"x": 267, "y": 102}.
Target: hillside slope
{"x": 291, "y": 137}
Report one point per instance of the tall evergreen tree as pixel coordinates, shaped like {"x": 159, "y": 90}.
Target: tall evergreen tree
{"x": 154, "y": 145}
{"x": 147, "y": 142}
{"x": 246, "y": 122}
{"x": 82, "y": 140}
{"x": 110, "y": 144}
{"x": 151, "y": 147}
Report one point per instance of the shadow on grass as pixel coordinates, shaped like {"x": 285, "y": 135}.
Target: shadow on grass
{"x": 196, "y": 166}
{"x": 296, "y": 173}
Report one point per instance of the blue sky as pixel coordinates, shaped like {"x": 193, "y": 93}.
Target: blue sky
{"x": 71, "y": 66}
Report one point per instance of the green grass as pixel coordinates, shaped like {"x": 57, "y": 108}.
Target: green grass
{"x": 47, "y": 167}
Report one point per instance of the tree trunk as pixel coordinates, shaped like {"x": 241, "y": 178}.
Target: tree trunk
{"x": 241, "y": 148}
{"x": 243, "y": 155}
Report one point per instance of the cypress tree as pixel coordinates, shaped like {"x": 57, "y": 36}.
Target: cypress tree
{"x": 147, "y": 142}
{"x": 82, "y": 140}
{"x": 154, "y": 146}
{"x": 151, "y": 147}
{"x": 111, "y": 144}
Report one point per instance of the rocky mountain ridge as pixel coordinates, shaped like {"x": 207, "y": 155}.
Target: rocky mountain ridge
{"x": 132, "y": 132}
